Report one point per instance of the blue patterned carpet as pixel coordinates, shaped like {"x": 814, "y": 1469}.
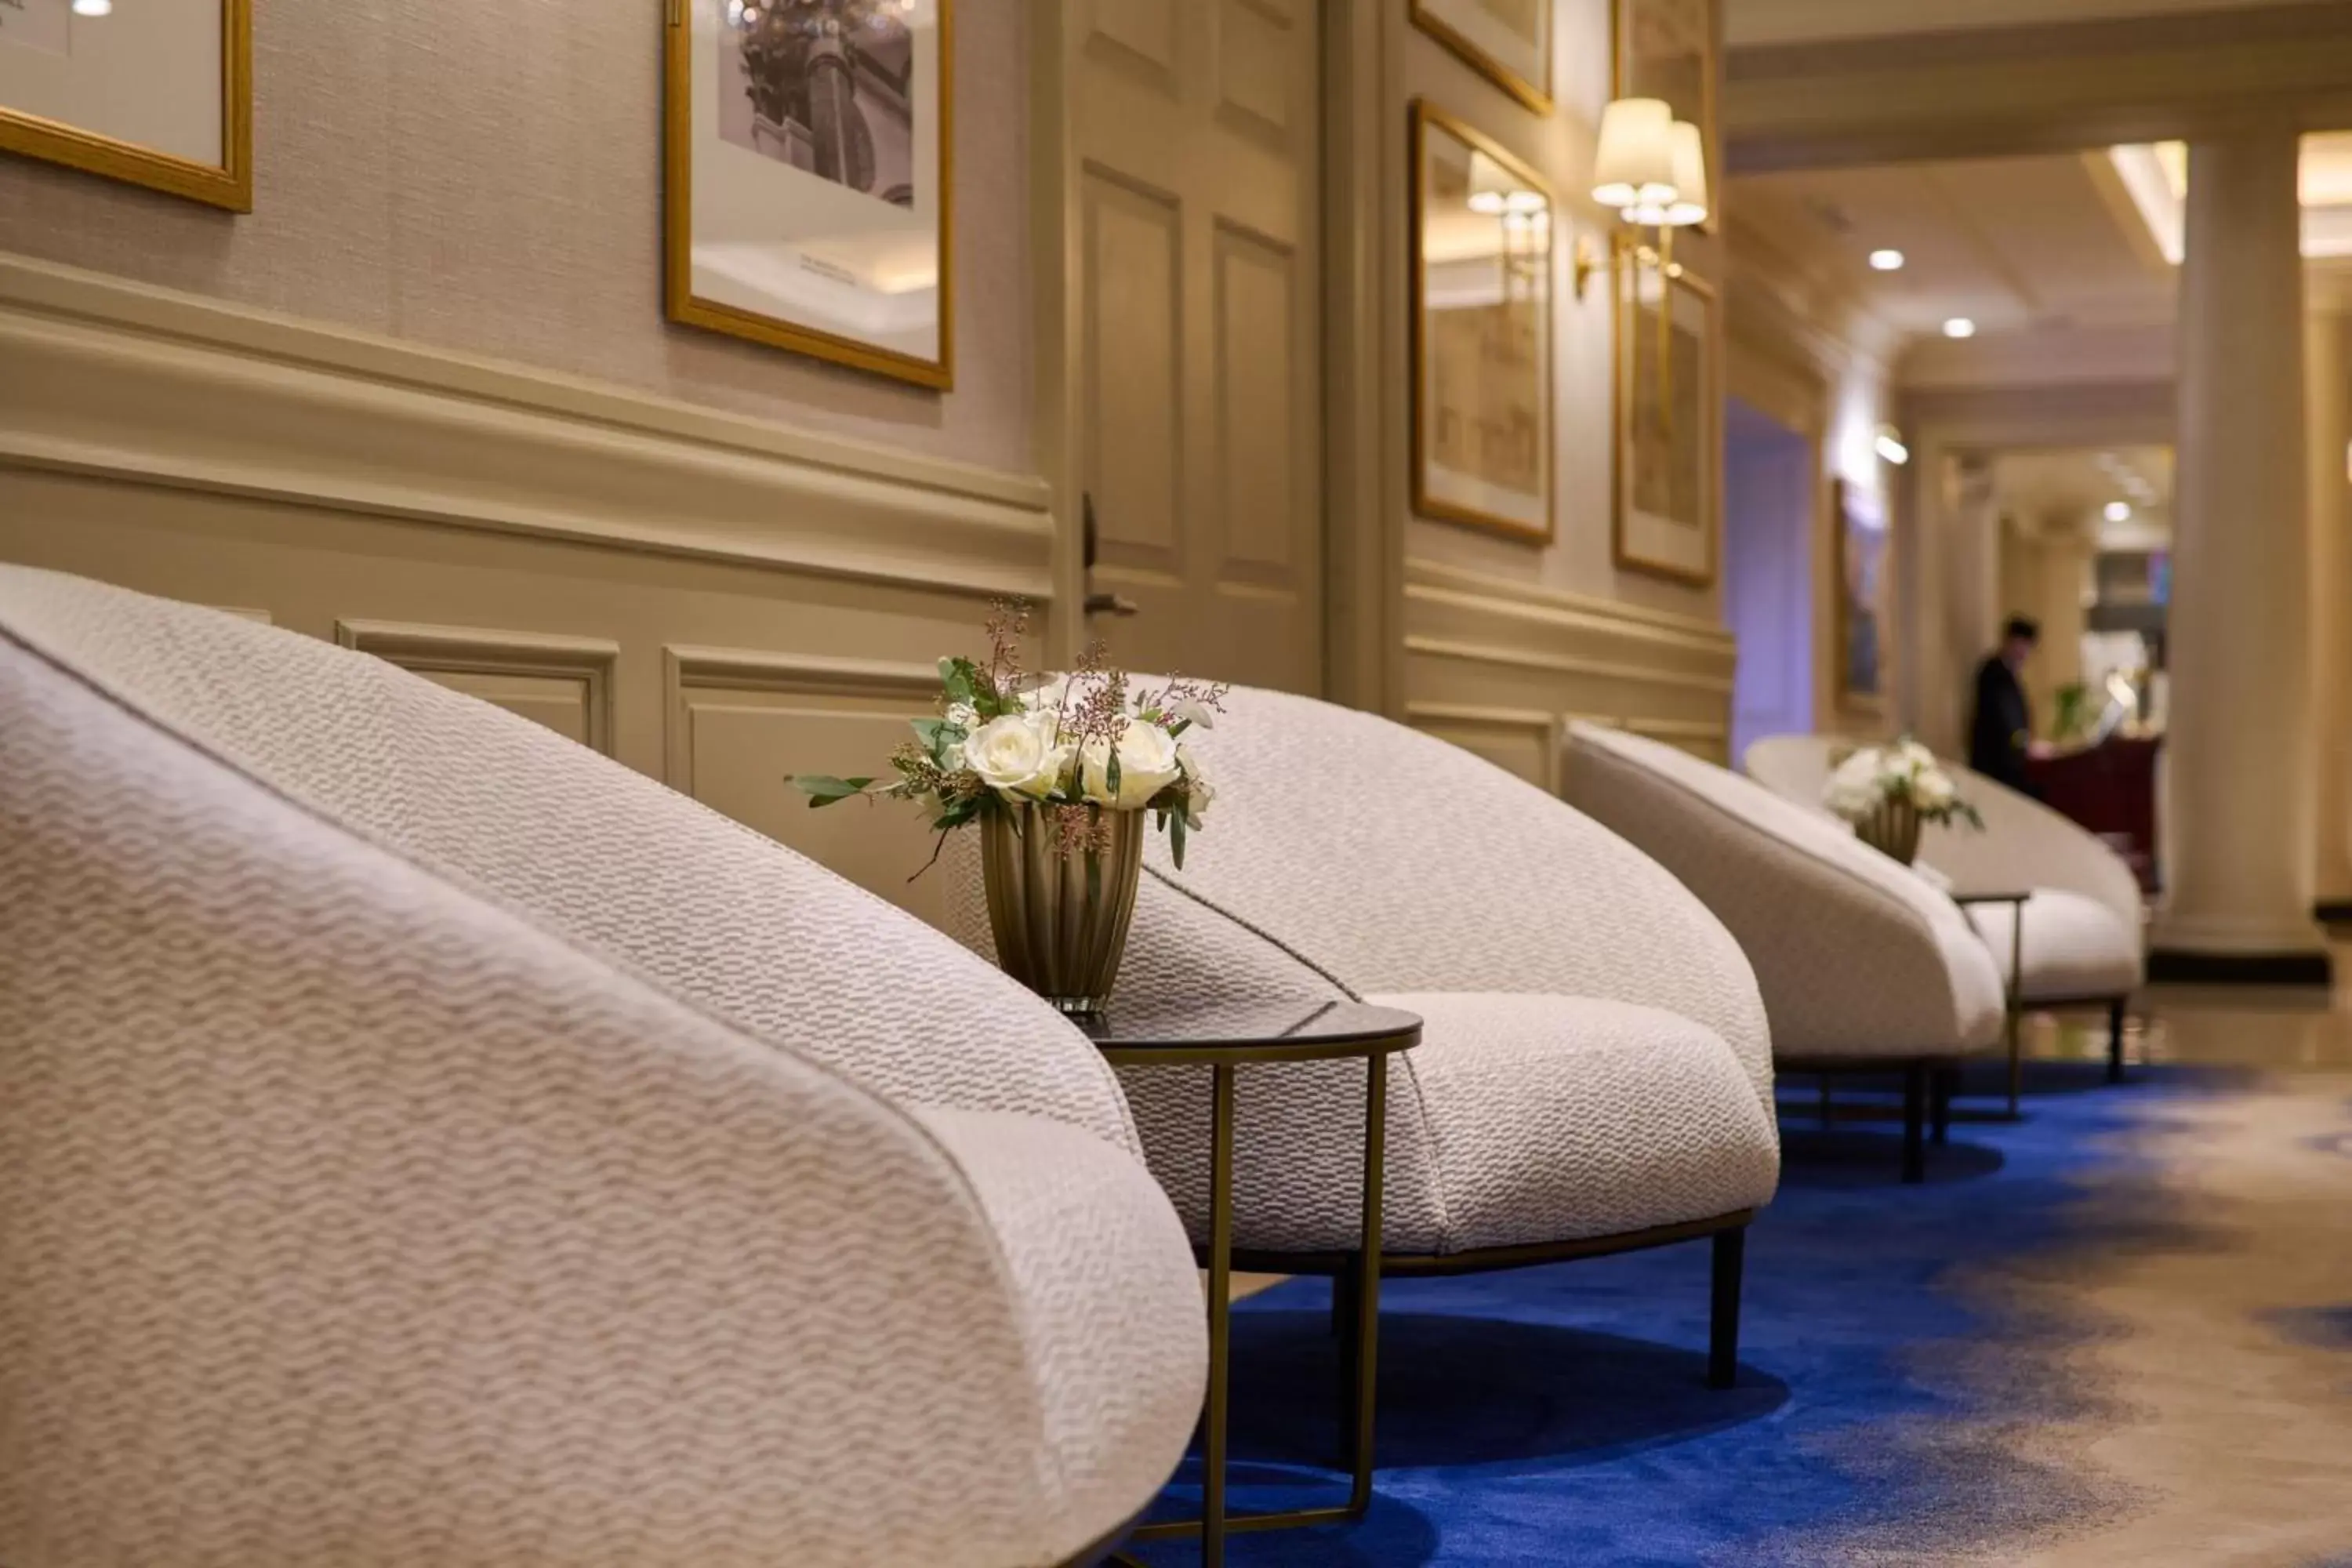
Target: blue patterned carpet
{"x": 1893, "y": 1371}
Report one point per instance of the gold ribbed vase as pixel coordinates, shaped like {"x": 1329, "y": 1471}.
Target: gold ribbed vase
{"x": 1060, "y": 920}
{"x": 1891, "y": 829}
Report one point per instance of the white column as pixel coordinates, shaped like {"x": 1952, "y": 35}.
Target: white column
{"x": 2239, "y": 747}
{"x": 2325, "y": 387}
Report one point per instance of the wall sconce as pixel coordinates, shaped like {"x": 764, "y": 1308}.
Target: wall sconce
{"x": 1890, "y": 446}
{"x": 1652, "y": 168}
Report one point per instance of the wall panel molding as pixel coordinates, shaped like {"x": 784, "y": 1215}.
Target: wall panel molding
{"x": 738, "y": 722}
{"x": 564, "y": 682}
{"x": 1500, "y": 666}
{"x": 123, "y": 382}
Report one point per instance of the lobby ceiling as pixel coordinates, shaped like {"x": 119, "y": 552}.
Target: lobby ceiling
{"x": 2063, "y": 263}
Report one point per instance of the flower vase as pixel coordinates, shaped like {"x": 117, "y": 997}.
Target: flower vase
{"x": 1060, "y": 918}
{"x": 1893, "y": 829}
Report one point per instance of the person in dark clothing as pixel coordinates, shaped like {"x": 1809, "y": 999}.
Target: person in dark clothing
{"x": 2001, "y": 732}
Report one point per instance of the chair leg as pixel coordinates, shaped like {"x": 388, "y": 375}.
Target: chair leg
{"x": 2115, "y": 1011}
{"x": 1915, "y": 1124}
{"x": 1723, "y": 1319}
{"x": 1946, "y": 1082}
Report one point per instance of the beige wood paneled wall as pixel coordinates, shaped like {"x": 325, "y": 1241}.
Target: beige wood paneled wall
{"x": 1505, "y": 640}
{"x": 715, "y": 601}
{"x": 1500, "y": 666}
{"x": 486, "y": 177}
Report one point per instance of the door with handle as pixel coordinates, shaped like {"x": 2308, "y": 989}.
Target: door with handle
{"x": 1196, "y": 311}
{"x": 1098, "y": 602}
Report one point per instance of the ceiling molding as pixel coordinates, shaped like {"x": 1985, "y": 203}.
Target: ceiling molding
{"x": 2044, "y": 356}
{"x": 2012, "y": 90}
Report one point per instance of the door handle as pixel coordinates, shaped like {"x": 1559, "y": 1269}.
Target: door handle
{"x": 1099, "y": 604}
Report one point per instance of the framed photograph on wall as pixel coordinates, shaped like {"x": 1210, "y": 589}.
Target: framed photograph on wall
{"x": 809, "y": 191}
{"x": 1506, "y": 41}
{"x": 1666, "y": 48}
{"x": 1865, "y": 575}
{"x": 158, "y": 95}
{"x": 1482, "y": 330}
{"x": 1668, "y": 407}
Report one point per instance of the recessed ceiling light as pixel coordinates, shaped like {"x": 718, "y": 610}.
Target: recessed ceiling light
{"x": 1887, "y": 260}
{"x": 1959, "y": 327}
{"x": 92, "y": 7}
{"x": 2119, "y": 511}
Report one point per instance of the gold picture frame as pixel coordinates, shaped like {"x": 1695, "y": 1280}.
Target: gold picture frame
{"x": 1688, "y": 84}
{"x": 1865, "y": 563}
{"x": 227, "y": 185}
{"x": 1491, "y": 464}
{"x": 1666, "y": 418}
{"x": 691, "y": 31}
{"x": 1454, "y": 22}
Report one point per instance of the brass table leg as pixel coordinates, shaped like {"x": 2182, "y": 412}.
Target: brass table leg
{"x": 1213, "y": 1525}
{"x": 1368, "y": 1292}
{"x": 1221, "y": 1318}
{"x": 2016, "y": 1000}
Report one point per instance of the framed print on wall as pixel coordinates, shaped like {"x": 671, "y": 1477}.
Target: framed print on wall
{"x": 809, "y": 192}
{"x": 1865, "y": 576}
{"x": 1668, "y": 406}
{"x": 1666, "y": 48}
{"x": 1506, "y": 41}
{"x": 160, "y": 95}
{"x": 1482, "y": 288}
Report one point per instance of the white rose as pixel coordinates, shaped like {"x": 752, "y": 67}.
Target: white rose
{"x": 1015, "y": 754}
{"x": 1148, "y": 763}
{"x": 1934, "y": 789}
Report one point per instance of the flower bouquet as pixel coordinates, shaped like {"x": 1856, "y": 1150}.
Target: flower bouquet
{"x": 1888, "y": 792}
{"x": 1060, "y": 773}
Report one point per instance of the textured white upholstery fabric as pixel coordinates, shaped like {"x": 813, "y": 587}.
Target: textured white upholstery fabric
{"x": 701, "y": 905}
{"x": 1855, "y": 956}
{"x": 352, "y": 1213}
{"x": 2074, "y": 950}
{"x": 2085, "y": 930}
{"x": 1594, "y": 1058}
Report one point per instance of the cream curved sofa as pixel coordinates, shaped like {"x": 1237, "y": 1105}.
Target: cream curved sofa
{"x": 1594, "y": 1074}
{"x": 2083, "y": 941}
{"x": 1862, "y": 964}
{"x": 428, "y": 1141}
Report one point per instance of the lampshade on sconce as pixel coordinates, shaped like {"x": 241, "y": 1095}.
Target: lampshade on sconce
{"x": 1635, "y": 167}
{"x": 1690, "y": 204}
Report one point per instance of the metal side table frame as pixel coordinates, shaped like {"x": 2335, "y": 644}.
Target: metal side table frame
{"x": 1225, "y": 1044}
{"x": 2013, "y": 986}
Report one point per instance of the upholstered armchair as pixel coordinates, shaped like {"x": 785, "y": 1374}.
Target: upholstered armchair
{"x": 1594, "y": 1073}
{"x": 1863, "y": 966}
{"x": 2083, "y": 941}
{"x": 428, "y": 1141}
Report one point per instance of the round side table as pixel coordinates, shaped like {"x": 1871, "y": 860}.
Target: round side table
{"x": 1228, "y": 1039}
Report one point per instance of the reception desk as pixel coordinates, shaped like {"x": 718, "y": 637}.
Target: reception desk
{"x": 2109, "y": 788}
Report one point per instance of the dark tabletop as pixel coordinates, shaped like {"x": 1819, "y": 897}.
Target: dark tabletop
{"x": 1249, "y": 1031}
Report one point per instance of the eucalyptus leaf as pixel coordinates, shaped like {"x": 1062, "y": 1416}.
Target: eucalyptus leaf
{"x": 823, "y": 789}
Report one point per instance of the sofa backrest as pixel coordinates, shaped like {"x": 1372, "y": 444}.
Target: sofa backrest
{"x": 1853, "y": 951}
{"x": 1393, "y": 862}
{"x": 703, "y": 907}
